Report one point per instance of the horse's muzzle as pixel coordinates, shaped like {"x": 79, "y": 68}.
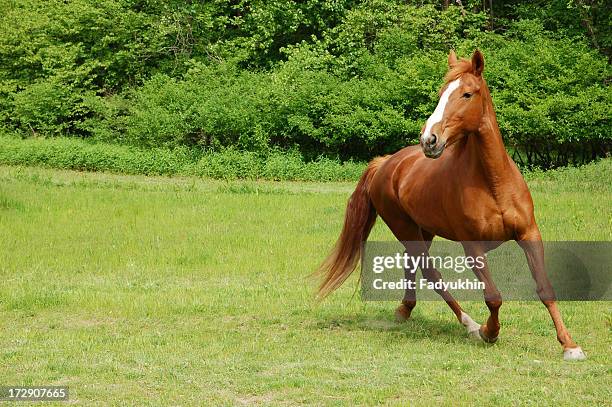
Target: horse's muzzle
{"x": 434, "y": 151}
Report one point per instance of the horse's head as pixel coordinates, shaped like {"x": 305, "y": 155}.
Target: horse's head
{"x": 460, "y": 109}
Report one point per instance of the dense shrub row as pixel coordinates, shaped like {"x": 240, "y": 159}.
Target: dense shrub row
{"x": 343, "y": 79}
{"x": 228, "y": 164}
{"x": 75, "y": 154}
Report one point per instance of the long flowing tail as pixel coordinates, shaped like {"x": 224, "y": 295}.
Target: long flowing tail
{"x": 358, "y": 222}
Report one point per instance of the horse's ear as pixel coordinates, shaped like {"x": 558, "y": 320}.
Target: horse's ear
{"x": 452, "y": 58}
{"x": 477, "y": 63}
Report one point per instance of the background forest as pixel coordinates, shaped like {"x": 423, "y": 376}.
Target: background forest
{"x": 340, "y": 79}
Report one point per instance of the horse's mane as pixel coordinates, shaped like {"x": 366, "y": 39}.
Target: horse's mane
{"x": 462, "y": 66}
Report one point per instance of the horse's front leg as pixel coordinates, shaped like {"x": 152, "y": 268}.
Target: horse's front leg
{"x": 534, "y": 251}
{"x": 489, "y": 331}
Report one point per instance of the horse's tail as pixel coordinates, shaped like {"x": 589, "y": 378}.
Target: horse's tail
{"x": 358, "y": 221}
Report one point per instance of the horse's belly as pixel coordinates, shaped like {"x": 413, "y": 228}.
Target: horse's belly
{"x": 464, "y": 228}
{"x": 471, "y": 218}
{"x": 470, "y": 229}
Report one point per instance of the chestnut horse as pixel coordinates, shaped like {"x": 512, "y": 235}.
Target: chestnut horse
{"x": 460, "y": 184}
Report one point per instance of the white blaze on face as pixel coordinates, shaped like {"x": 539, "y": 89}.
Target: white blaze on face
{"x": 439, "y": 112}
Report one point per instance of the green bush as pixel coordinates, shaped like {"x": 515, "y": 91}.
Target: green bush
{"x": 228, "y": 164}
{"x": 45, "y": 107}
{"x": 318, "y": 102}
{"x": 74, "y": 154}
{"x": 551, "y": 96}
{"x": 341, "y": 79}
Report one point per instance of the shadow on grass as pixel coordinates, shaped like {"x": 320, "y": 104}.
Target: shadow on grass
{"x": 418, "y": 327}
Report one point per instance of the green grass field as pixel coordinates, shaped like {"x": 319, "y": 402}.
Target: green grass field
{"x": 136, "y": 290}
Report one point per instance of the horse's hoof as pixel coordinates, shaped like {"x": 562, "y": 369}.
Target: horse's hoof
{"x": 471, "y": 326}
{"x": 402, "y": 313}
{"x": 475, "y": 335}
{"x": 574, "y": 354}
{"x": 484, "y": 337}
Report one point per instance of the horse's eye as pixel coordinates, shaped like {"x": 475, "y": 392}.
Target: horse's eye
{"x": 467, "y": 95}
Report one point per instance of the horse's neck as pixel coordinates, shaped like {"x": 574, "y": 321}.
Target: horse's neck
{"x": 488, "y": 146}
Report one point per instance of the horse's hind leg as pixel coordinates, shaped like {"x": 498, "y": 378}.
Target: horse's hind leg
{"x": 417, "y": 242}
{"x": 414, "y": 248}
{"x": 406, "y": 231}
{"x": 403, "y": 312}
{"x": 420, "y": 247}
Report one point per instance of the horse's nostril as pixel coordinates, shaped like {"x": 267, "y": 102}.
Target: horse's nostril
{"x": 433, "y": 139}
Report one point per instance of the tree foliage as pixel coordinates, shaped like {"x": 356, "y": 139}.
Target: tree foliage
{"x": 346, "y": 78}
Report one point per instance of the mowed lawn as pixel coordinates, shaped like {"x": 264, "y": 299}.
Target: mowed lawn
{"x": 151, "y": 291}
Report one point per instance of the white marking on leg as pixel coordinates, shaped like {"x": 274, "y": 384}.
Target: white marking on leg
{"x": 470, "y": 325}
{"x": 574, "y": 354}
{"x": 438, "y": 113}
